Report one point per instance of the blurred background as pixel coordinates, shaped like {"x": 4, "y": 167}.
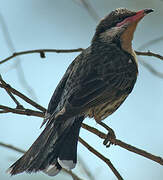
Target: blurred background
{"x": 66, "y": 24}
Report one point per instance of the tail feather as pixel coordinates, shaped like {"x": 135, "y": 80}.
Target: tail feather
{"x": 66, "y": 151}
{"x": 67, "y": 157}
{"x": 37, "y": 153}
{"x": 55, "y": 148}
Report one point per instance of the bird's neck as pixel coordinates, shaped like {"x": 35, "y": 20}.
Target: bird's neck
{"x": 121, "y": 36}
{"x": 126, "y": 40}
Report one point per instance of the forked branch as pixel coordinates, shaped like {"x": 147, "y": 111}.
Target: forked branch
{"x": 41, "y": 112}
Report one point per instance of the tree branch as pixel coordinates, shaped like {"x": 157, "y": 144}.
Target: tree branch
{"x": 151, "y": 69}
{"x": 17, "y": 64}
{"x": 138, "y": 151}
{"x": 10, "y": 94}
{"x": 12, "y": 147}
{"x": 123, "y": 144}
{"x": 41, "y": 52}
{"x": 90, "y": 10}
{"x": 99, "y": 155}
{"x": 149, "y": 53}
{"x": 22, "y": 96}
{"x": 150, "y": 42}
{"x": 5, "y": 109}
{"x": 42, "y": 55}
{"x": 28, "y": 112}
{"x": 73, "y": 175}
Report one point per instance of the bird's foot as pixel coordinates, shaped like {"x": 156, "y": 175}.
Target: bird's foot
{"x": 109, "y": 140}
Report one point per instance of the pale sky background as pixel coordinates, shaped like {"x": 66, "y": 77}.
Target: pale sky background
{"x": 65, "y": 24}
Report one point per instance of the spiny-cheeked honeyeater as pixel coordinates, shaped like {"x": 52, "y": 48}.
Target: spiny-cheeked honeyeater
{"x": 95, "y": 84}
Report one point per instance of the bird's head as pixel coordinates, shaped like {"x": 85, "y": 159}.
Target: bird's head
{"x": 119, "y": 26}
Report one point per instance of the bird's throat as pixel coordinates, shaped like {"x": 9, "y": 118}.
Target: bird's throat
{"x": 126, "y": 39}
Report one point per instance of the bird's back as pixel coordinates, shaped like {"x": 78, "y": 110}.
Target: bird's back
{"x": 106, "y": 73}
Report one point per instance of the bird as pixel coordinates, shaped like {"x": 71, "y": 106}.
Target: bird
{"x": 94, "y": 85}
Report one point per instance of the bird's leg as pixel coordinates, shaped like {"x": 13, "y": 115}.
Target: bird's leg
{"x": 110, "y": 136}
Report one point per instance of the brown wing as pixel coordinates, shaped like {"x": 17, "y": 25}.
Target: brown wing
{"x": 93, "y": 79}
{"x": 101, "y": 76}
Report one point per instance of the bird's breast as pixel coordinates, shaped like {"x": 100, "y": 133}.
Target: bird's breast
{"x": 102, "y": 111}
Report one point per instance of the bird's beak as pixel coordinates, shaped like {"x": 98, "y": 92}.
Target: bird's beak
{"x": 143, "y": 12}
{"x": 139, "y": 15}
{"x": 136, "y": 18}
{"x": 147, "y": 11}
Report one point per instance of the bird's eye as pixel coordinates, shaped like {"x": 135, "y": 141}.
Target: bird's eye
{"x": 120, "y": 19}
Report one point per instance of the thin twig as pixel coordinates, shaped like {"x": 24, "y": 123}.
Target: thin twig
{"x": 150, "y": 42}
{"x": 106, "y": 160}
{"x": 151, "y": 69}
{"x": 123, "y": 144}
{"x": 10, "y": 94}
{"x": 94, "y": 131}
{"x": 149, "y": 53}
{"x": 73, "y": 175}
{"x": 41, "y": 51}
{"x": 24, "y": 111}
{"x": 84, "y": 167}
{"x": 17, "y": 64}
{"x": 90, "y": 10}
{"x": 12, "y": 147}
{"x": 138, "y": 151}
{"x": 22, "y": 96}
{"x": 147, "y": 65}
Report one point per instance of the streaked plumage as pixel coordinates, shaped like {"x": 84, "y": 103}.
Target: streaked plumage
{"x": 95, "y": 84}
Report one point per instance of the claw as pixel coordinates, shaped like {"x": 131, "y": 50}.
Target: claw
{"x": 110, "y": 136}
{"x": 109, "y": 139}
